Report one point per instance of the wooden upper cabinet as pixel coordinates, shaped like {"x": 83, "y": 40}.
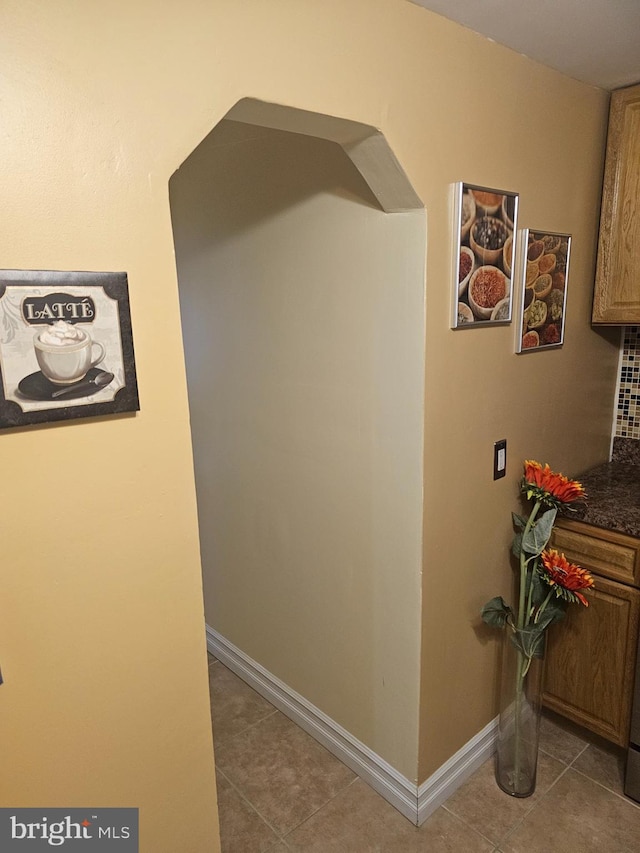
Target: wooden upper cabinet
{"x": 617, "y": 288}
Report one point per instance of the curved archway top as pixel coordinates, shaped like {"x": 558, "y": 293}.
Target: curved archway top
{"x": 364, "y": 145}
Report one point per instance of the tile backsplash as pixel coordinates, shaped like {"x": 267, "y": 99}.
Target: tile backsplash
{"x": 628, "y": 412}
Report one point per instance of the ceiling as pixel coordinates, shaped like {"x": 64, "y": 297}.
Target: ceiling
{"x": 596, "y": 41}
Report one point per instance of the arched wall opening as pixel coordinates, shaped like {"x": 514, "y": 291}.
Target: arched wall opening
{"x": 300, "y": 250}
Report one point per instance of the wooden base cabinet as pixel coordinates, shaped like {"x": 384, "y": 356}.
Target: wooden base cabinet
{"x": 590, "y": 661}
{"x": 591, "y": 655}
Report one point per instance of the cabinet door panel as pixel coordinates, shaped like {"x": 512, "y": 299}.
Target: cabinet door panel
{"x": 617, "y": 288}
{"x": 590, "y": 661}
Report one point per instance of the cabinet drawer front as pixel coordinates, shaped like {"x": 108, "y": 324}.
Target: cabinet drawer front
{"x": 612, "y": 559}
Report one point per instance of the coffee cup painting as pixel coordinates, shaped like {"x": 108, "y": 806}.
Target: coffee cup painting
{"x": 66, "y": 347}
{"x": 65, "y": 353}
{"x": 485, "y": 224}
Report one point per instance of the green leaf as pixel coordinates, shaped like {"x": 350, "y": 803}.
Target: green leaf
{"x": 545, "y": 620}
{"x": 550, "y": 614}
{"x": 558, "y": 608}
{"x": 539, "y": 589}
{"x": 538, "y": 536}
{"x": 518, "y": 521}
{"x": 495, "y": 612}
{"x": 529, "y": 642}
{"x": 516, "y": 545}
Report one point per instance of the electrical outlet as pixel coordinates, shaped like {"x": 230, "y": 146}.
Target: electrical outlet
{"x": 499, "y": 459}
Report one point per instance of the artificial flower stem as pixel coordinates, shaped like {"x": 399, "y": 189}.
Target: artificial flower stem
{"x": 523, "y": 564}
{"x": 529, "y": 609}
{"x": 542, "y": 607}
{"x": 520, "y": 670}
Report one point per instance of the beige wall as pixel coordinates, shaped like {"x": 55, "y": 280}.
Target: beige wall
{"x": 555, "y": 406}
{"x": 102, "y": 644}
{"x": 303, "y": 321}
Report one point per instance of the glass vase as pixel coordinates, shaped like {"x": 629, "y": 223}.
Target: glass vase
{"x": 520, "y": 708}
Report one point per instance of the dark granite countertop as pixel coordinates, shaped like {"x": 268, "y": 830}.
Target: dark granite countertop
{"x": 613, "y": 490}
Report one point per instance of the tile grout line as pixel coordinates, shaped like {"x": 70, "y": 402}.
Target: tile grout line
{"x": 468, "y": 825}
{"x": 243, "y": 731}
{"x": 543, "y": 797}
{"x": 576, "y": 757}
{"x": 524, "y": 816}
{"x": 609, "y": 790}
{"x": 244, "y": 798}
{"x": 319, "y": 809}
{"x": 254, "y": 725}
{"x": 567, "y": 766}
{"x": 279, "y": 836}
{"x": 597, "y": 782}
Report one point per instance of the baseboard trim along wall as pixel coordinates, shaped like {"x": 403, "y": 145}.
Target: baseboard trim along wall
{"x": 415, "y": 802}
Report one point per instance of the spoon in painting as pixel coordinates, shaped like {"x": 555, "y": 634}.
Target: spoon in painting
{"x": 100, "y": 380}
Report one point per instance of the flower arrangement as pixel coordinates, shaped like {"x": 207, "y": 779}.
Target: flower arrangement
{"x": 548, "y": 583}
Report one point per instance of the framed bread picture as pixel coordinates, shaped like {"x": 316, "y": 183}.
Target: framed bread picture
{"x": 543, "y": 272}
{"x": 485, "y": 222}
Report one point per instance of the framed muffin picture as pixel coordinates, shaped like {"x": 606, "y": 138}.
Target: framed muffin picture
{"x": 485, "y": 223}
{"x": 544, "y": 271}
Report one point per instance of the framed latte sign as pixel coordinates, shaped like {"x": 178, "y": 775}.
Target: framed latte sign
{"x": 66, "y": 347}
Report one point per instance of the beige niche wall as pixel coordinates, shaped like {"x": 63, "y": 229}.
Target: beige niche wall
{"x": 302, "y": 306}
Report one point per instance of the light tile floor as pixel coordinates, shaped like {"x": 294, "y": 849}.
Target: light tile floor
{"x": 280, "y": 791}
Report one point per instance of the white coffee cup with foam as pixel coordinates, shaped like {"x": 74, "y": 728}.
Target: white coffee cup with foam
{"x": 65, "y": 352}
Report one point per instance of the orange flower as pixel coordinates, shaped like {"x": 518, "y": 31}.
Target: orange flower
{"x": 567, "y": 578}
{"x": 550, "y": 488}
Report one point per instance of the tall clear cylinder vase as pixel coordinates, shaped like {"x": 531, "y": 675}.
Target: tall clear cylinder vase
{"x": 520, "y": 709}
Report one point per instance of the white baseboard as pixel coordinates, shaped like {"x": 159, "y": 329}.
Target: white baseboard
{"x": 448, "y": 778}
{"x": 415, "y": 802}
